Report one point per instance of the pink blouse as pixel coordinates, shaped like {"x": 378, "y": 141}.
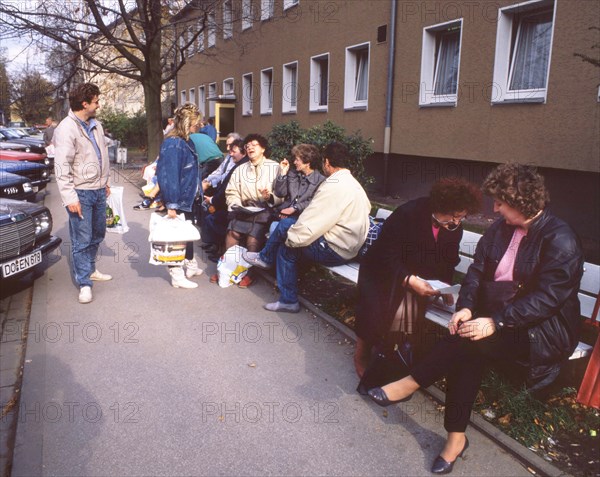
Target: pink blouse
{"x": 504, "y": 272}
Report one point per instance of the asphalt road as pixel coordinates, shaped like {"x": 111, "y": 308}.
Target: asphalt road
{"x": 152, "y": 380}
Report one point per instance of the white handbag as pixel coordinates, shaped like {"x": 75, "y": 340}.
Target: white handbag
{"x": 168, "y": 238}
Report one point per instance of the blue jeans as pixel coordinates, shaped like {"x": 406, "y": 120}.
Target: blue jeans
{"x": 287, "y": 270}
{"x": 277, "y": 238}
{"x": 86, "y": 233}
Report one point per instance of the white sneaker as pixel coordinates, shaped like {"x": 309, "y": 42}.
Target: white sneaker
{"x": 85, "y": 294}
{"x": 191, "y": 268}
{"x": 98, "y": 276}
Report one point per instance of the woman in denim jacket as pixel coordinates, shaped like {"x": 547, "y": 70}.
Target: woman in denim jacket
{"x": 177, "y": 173}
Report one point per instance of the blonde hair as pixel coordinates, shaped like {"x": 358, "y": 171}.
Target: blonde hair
{"x": 185, "y": 117}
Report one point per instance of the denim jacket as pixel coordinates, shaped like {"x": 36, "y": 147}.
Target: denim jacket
{"x": 177, "y": 173}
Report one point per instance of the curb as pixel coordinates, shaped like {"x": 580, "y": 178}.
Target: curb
{"x": 532, "y": 462}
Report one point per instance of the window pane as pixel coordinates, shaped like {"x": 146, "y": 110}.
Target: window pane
{"x": 362, "y": 75}
{"x": 323, "y": 82}
{"x": 530, "y": 62}
{"x": 446, "y": 71}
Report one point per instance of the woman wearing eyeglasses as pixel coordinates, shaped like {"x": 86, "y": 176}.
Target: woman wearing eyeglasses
{"x": 517, "y": 304}
{"x": 418, "y": 241}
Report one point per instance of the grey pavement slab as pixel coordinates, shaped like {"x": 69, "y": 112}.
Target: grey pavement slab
{"x": 152, "y": 380}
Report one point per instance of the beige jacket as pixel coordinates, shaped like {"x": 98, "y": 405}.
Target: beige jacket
{"x": 339, "y": 211}
{"x": 247, "y": 180}
{"x": 76, "y": 164}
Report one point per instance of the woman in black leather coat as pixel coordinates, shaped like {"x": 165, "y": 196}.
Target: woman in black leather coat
{"x": 540, "y": 326}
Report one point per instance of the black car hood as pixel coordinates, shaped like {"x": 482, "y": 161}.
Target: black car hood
{"x": 8, "y": 179}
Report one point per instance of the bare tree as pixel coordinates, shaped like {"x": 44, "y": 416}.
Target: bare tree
{"x": 143, "y": 40}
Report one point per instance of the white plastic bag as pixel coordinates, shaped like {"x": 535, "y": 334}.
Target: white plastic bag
{"x": 115, "y": 214}
{"x": 232, "y": 267}
{"x": 168, "y": 238}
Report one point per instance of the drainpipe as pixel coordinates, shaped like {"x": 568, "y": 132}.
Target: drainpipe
{"x": 389, "y": 97}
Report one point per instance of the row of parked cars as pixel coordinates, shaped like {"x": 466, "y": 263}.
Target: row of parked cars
{"x": 25, "y": 227}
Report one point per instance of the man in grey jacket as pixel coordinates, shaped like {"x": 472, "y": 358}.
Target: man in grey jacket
{"x": 82, "y": 175}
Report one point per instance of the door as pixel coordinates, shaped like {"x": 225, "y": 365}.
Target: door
{"x": 224, "y": 122}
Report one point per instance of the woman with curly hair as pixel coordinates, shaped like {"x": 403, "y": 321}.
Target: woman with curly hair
{"x": 177, "y": 174}
{"x": 518, "y": 303}
{"x": 418, "y": 241}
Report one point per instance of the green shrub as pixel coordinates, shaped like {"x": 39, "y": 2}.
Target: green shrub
{"x": 284, "y": 136}
{"x": 130, "y": 129}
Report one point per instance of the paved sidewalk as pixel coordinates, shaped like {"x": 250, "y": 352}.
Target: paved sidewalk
{"x": 152, "y": 380}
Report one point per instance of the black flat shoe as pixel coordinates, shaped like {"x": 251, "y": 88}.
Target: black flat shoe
{"x": 378, "y": 396}
{"x": 440, "y": 466}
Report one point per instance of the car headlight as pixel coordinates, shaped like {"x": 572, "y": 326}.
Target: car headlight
{"x": 27, "y": 187}
{"x": 43, "y": 223}
{"x": 45, "y": 174}
{"x": 47, "y": 161}
{"x": 27, "y": 149}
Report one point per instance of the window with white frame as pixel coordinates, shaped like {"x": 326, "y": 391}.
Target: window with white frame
{"x": 289, "y": 90}
{"x": 266, "y": 91}
{"x": 200, "y": 36}
{"x": 192, "y": 96}
{"x": 247, "y": 94}
{"x": 267, "y": 8}
{"x": 289, "y": 3}
{"x": 440, "y": 61}
{"x": 227, "y": 19}
{"x": 247, "y": 17}
{"x": 356, "y": 78}
{"x": 212, "y": 30}
{"x": 212, "y": 96}
{"x": 202, "y": 99}
{"x": 188, "y": 36}
{"x": 183, "y": 98}
{"x": 523, "y": 51}
{"x": 319, "y": 83}
{"x": 228, "y": 86}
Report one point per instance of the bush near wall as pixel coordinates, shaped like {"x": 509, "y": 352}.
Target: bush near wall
{"x": 284, "y": 136}
{"x": 130, "y": 129}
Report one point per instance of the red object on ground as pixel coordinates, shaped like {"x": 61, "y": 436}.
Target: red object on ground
{"x": 589, "y": 391}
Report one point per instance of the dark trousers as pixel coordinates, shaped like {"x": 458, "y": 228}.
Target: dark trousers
{"x": 462, "y": 362}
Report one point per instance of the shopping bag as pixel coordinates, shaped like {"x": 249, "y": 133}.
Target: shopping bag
{"x": 168, "y": 239}
{"x": 115, "y": 214}
{"x": 232, "y": 267}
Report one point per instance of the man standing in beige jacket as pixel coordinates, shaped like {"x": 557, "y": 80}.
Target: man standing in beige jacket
{"x": 82, "y": 174}
{"x": 329, "y": 231}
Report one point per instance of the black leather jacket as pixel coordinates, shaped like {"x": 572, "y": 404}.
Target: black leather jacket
{"x": 549, "y": 267}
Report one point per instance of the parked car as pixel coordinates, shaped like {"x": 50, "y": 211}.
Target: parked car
{"x": 17, "y": 124}
{"x": 37, "y": 174}
{"x": 15, "y": 187}
{"x": 36, "y": 145}
{"x": 26, "y": 236}
{"x": 24, "y": 156}
{"x": 13, "y": 146}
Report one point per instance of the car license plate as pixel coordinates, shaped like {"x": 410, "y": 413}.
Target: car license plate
{"x": 22, "y": 263}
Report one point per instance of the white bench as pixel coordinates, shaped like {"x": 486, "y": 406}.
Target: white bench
{"x": 439, "y": 313}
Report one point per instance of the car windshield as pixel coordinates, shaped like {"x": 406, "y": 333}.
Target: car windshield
{"x": 7, "y": 133}
{"x": 18, "y": 132}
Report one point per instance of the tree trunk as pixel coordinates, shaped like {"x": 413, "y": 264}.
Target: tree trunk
{"x": 153, "y": 116}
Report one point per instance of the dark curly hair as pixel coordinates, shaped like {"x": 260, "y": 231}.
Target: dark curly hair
{"x": 263, "y": 141}
{"x": 520, "y": 186}
{"x": 454, "y": 194}
{"x": 81, "y": 93}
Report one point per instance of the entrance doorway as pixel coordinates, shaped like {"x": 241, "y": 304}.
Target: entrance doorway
{"x": 224, "y": 122}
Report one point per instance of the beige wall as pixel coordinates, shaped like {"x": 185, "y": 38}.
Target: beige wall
{"x": 563, "y": 133}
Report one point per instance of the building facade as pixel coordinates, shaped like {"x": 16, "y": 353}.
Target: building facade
{"x": 442, "y": 87}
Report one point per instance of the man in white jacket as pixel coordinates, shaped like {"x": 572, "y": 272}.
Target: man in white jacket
{"x": 329, "y": 231}
{"x": 82, "y": 175}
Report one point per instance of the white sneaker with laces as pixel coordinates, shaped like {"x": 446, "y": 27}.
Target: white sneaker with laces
{"x": 85, "y": 294}
{"x": 98, "y": 276}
